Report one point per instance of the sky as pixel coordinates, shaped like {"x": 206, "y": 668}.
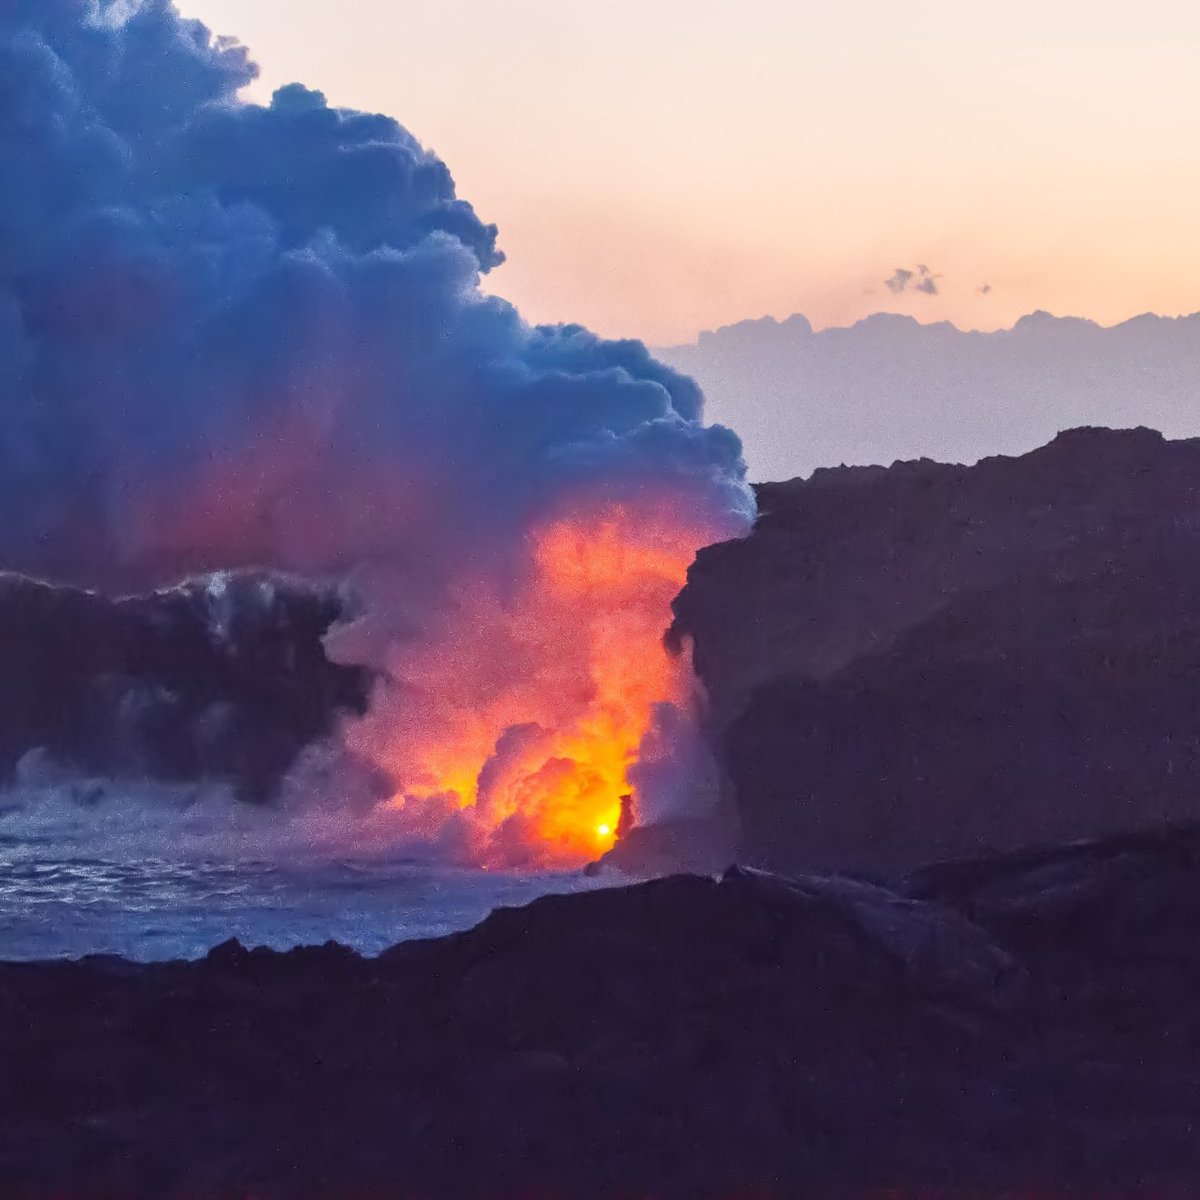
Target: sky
{"x": 661, "y": 167}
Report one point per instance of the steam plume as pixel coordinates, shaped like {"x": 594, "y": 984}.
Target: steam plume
{"x": 234, "y": 335}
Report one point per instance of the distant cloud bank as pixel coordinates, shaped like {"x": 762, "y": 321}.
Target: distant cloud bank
{"x": 891, "y": 388}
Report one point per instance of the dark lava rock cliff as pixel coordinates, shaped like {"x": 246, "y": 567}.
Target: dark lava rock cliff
{"x": 223, "y": 678}
{"x": 1015, "y": 1025}
{"x": 926, "y": 659}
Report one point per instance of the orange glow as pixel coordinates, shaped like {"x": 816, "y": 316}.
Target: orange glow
{"x": 510, "y": 730}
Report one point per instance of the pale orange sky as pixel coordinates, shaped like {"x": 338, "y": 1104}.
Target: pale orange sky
{"x": 658, "y": 167}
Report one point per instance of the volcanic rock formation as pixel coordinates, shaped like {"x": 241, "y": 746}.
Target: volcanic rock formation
{"x": 926, "y": 659}
{"x": 1023, "y": 1024}
{"x": 222, "y": 679}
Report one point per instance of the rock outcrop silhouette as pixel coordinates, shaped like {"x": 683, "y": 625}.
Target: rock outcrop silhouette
{"x": 929, "y": 660}
{"x": 1016, "y": 1024}
{"x": 224, "y": 678}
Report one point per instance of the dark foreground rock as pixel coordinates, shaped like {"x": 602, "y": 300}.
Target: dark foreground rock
{"x": 1019, "y": 1025}
{"x": 223, "y": 678}
{"x": 927, "y": 659}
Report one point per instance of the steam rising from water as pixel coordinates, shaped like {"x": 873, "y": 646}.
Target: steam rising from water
{"x": 234, "y": 335}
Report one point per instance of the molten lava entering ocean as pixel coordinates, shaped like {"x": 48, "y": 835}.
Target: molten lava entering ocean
{"x": 511, "y": 734}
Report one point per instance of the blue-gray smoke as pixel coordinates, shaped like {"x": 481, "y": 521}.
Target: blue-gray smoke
{"x": 235, "y": 335}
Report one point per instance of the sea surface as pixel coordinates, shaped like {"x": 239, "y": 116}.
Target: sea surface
{"x": 152, "y": 881}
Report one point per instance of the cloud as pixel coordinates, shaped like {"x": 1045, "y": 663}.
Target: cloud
{"x": 922, "y": 279}
{"x": 890, "y": 387}
{"x": 927, "y": 284}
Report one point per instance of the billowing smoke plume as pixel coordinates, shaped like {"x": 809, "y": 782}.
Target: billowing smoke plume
{"x": 234, "y": 335}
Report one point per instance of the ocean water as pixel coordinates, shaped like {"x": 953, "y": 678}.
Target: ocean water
{"x": 157, "y": 875}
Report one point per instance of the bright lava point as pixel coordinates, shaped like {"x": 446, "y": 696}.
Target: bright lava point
{"x": 540, "y": 699}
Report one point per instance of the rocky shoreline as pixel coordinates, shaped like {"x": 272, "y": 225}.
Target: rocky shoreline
{"x": 1018, "y": 1023}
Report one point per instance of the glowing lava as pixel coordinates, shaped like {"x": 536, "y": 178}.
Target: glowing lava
{"x": 510, "y": 731}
